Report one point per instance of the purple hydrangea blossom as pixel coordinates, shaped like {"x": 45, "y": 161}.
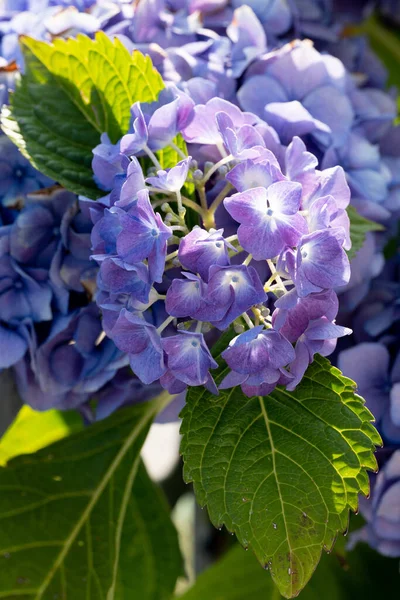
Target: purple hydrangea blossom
{"x": 199, "y": 250}
{"x": 188, "y": 361}
{"x": 158, "y": 127}
{"x": 269, "y": 218}
{"x": 257, "y": 359}
{"x": 320, "y": 336}
{"x": 173, "y": 179}
{"x": 142, "y": 343}
{"x": 143, "y": 235}
{"x": 186, "y": 297}
{"x": 231, "y": 291}
{"x": 319, "y": 262}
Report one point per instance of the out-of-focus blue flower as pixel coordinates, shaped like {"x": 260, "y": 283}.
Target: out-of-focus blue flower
{"x": 14, "y": 343}
{"x": 381, "y": 512}
{"x": 299, "y": 91}
{"x": 368, "y": 364}
{"x": 17, "y": 176}
{"x": 24, "y": 293}
{"x": 35, "y": 233}
{"x": 71, "y": 364}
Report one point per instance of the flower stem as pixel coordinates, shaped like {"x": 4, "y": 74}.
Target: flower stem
{"x": 221, "y": 196}
{"x": 247, "y": 261}
{"x": 231, "y": 238}
{"x": 181, "y": 210}
{"x": 276, "y": 275}
{"x": 179, "y": 228}
{"x": 190, "y": 204}
{"x": 248, "y": 321}
{"x": 171, "y": 255}
{"x": 202, "y": 195}
{"x": 215, "y": 167}
{"x": 177, "y": 150}
{"x": 153, "y": 158}
{"x": 165, "y": 324}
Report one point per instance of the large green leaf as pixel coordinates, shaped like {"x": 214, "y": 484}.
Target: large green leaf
{"x": 80, "y": 519}
{"x": 281, "y": 471}
{"x": 72, "y": 91}
{"x": 359, "y": 227}
{"x": 32, "y": 430}
{"x": 361, "y": 574}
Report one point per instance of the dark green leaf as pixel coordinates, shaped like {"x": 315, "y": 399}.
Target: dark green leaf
{"x": 80, "y": 519}
{"x": 72, "y": 91}
{"x": 361, "y": 574}
{"x": 281, "y": 471}
{"x": 359, "y": 227}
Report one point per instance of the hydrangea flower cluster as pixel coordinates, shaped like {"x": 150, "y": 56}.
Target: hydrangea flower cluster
{"x": 247, "y": 231}
{"x": 273, "y": 277}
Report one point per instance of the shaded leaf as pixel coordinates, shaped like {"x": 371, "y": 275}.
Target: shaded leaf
{"x": 361, "y": 574}
{"x": 80, "y": 519}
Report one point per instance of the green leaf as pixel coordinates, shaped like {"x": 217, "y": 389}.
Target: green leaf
{"x": 32, "y": 430}
{"x": 281, "y": 471}
{"x": 80, "y": 519}
{"x": 385, "y": 42}
{"x": 72, "y": 91}
{"x": 359, "y": 227}
{"x": 361, "y": 574}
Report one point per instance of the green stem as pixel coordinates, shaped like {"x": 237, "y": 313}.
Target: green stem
{"x": 248, "y": 321}
{"x": 178, "y": 150}
{"x": 215, "y": 167}
{"x": 221, "y": 196}
{"x": 153, "y": 158}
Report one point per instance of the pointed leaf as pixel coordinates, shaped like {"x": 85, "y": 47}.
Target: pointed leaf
{"x": 281, "y": 471}
{"x": 72, "y": 91}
